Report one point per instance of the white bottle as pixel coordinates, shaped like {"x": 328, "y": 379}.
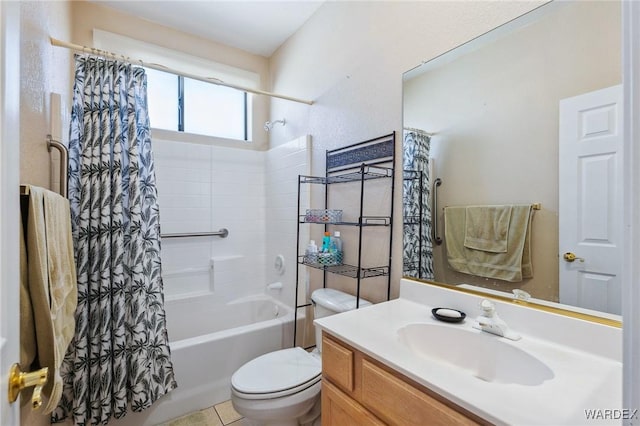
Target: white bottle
{"x": 336, "y": 247}
{"x": 311, "y": 255}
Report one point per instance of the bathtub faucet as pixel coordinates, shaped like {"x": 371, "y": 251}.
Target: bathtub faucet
{"x": 275, "y": 286}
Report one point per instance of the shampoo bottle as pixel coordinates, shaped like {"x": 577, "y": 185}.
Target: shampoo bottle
{"x": 326, "y": 242}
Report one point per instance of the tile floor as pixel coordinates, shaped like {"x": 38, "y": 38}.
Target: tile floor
{"x": 221, "y": 414}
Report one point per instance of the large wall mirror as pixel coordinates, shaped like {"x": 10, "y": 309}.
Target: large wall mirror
{"x": 515, "y": 140}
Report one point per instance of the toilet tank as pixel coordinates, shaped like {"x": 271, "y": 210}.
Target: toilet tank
{"x": 328, "y": 301}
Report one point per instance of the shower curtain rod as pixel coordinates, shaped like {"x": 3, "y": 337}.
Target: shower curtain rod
{"x": 159, "y": 67}
{"x": 411, "y": 129}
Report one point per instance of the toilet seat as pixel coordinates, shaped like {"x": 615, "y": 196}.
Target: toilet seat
{"x": 277, "y": 374}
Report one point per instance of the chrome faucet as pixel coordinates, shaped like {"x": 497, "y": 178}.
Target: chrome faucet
{"x": 490, "y": 322}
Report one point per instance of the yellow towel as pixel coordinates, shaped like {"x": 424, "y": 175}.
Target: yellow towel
{"x": 52, "y": 285}
{"x": 487, "y": 228}
{"x": 514, "y": 265}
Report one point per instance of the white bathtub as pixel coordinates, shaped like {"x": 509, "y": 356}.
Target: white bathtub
{"x": 209, "y": 341}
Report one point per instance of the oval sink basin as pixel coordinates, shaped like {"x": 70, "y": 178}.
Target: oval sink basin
{"x": 480, "y": 354}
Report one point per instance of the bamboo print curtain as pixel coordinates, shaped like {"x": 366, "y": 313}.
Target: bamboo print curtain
{"x": 120, "y": 355}
{"x": 417, "y": 244}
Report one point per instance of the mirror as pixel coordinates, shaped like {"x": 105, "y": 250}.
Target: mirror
{"x": 483, "y": 120}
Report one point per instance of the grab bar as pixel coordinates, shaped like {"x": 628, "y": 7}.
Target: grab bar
{"x": 434, "y": 212}
{"x": 64, "y": 162}
{"x": 222, "y": 233}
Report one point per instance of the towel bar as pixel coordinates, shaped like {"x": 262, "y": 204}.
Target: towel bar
{"x": 64, "y": 163}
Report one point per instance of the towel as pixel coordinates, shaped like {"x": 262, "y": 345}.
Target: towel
{"x": 51, "y": 288}
{"x": 27, "y": 332}
{"x": 514, "y": 265}
{"x": 487, "y": 228}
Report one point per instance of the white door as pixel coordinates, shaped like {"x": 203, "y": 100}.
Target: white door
{"x": 9, "y": 201}
{"x": 591, "y": 200}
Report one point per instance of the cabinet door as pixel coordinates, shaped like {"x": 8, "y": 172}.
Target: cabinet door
{"x": 337, "y": 364}
{"x": 399, "y": 403}
{"x": 339, "y": 410}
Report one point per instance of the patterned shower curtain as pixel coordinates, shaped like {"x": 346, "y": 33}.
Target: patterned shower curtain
{"x": 417, "y": 244}
{"x": 119, "y": 357}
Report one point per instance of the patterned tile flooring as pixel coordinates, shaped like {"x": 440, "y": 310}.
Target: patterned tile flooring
{"x": 221, "y": 414}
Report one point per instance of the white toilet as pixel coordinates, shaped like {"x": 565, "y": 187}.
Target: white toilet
{"x": 283, "y": 387}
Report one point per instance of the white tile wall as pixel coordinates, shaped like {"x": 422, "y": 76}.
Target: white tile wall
{"x": 283, "y": 165}
{"x": 184, "y": 186}
{"x": 251, "y": 193}
{"x": 204, "y": 188}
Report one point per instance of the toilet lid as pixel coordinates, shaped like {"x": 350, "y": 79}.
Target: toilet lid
{"x": 284, "y": 372}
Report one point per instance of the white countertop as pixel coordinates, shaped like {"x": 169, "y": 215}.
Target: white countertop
{"x": 582, "y": 380}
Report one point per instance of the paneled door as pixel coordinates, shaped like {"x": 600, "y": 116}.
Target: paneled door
{"x": 591, "y": 200}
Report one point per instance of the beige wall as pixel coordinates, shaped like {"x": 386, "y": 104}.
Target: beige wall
{"x": 44, "y": 69}
{"x": 87, "y": 16}
{"x": 349, "y": 57}
{"x": 495, "y": 115}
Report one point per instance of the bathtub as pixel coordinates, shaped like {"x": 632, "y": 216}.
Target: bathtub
{"x": 209, "y": 341}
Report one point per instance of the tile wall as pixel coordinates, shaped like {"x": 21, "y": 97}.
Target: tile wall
{"x": 283, "y": 165}
{"x": 205, "y": 188}
{"x": 251, "y": 193}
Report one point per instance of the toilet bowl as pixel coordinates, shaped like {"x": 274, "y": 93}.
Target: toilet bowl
{"x": 282, "y": 388}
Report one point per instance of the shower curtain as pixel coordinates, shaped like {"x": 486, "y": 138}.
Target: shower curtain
{"x": 119, "y": 357}
{"x": 417, "y": 243}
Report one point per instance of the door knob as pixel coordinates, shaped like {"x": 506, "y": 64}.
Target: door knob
{"x": 570, "y": 257}
{"x": 19, "y": 380}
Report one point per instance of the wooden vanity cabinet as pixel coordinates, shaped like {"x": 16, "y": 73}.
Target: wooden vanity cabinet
{"x": 358, "y": 390}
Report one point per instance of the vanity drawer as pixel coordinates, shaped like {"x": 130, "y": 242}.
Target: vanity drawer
{"x": 398, "y": 402}
{"x": 337, "y": 363}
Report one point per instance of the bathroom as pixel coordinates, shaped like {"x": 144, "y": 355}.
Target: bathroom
{"x": 339, "y": 74}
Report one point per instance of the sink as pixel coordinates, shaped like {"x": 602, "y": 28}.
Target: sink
{"x": 483, "y": 356}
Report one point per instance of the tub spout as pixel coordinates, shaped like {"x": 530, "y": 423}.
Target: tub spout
{"x": 275, "y": 286}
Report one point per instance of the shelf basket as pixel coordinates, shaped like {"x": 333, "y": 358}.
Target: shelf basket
{"x": 323, "y": 216}
{"x": 324, "y": 259}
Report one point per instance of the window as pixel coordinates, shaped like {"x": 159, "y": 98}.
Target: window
{"x": 162, "y": 99}
{"x": 187, "y": 105}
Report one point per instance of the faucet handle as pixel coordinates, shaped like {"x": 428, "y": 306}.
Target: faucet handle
{"x": 520, "y": 294}
{"x": 487, "y": 307}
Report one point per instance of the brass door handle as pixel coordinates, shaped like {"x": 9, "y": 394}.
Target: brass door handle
{"x": 570, "y": 257}
{"x": 19, "y": 380}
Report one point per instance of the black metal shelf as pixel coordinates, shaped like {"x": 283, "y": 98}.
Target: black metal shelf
{"x": 365, "y": 221}
{"x": 364, "y": 172}
{"x": 348, "y": 270}
{"x": 360, "y": 162}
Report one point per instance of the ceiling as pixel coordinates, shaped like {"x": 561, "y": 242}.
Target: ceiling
{"x": 258, "y": 27}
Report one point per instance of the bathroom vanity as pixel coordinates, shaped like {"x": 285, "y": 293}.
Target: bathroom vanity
{"x": 357, "y": 389}
{"x": 394, "y": 363}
